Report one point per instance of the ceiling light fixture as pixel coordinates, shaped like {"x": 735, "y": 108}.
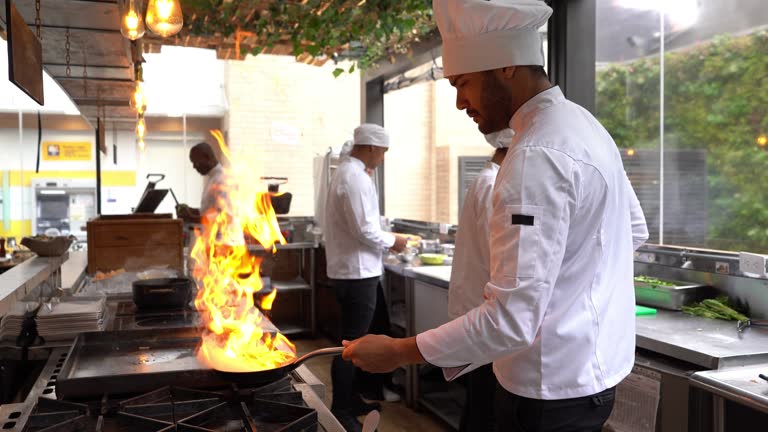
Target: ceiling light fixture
{"x": 138, "y": 100}
{"x": 141, "y": 127}
{"x": 164, "y": 17}
{"x": 132, "y": 21}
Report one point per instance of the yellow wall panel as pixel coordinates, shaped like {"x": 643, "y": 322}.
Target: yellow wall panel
{"x": 108, "y": 178}
{"x": 19, "y": 228}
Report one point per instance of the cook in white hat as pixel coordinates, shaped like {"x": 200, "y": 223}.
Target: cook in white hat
{"x": 558, "y": 322}
{"x": 354, "y": 244}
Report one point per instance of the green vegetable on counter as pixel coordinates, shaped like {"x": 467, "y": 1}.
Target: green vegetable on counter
{"x": 719, "y": 308}
{"x": 654, "y": 281}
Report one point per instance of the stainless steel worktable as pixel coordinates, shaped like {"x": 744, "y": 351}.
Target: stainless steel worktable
{"x": 435, "y": 275}
{"x": 739, "y": 384}
{"x": 713, "y": 344}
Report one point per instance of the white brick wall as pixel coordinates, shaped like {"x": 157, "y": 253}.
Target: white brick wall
{"x": 428, "y": 132}
{"x": 422, "y": 177}
{"x": 409, "y": 168}
{"x": 267, "y": 93}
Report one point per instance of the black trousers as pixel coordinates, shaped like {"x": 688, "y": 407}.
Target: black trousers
{"x": 478, "y": 415}
{"x": 370, "y": 383}
{"x": 357, "y": 300}
{"x": 585, "y": 414}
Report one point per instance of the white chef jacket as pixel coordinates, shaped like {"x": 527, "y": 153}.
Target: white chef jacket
{"x": 214, "y": 186}
{"x": 559, "y": 322}
{"x": 354, "y": 240}
{"x": 472, "y": 256}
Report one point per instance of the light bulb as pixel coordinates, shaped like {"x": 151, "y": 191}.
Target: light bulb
{"x": 132, "y": 23}
{"x": 141, "y": 128}
{"x": 164, "y": 17}
{"x": 141, "y": 144}
{"x": 138, "y": 100}
{"x": 762, "y": 140}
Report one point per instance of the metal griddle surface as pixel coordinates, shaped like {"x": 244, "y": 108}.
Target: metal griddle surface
{"x": 136, "y": 361}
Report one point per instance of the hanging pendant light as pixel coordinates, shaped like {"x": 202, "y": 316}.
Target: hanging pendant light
{"x": 164, "y": 17}
{"x": 132, "y": 21}
{"x": 141, "y": 127}
{"x": 138, "y": 100}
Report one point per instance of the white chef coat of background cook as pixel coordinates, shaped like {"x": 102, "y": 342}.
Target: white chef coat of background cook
{"x": 354, "y": 240}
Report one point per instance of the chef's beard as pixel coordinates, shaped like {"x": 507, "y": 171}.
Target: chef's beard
{"x": 495, "y": 104}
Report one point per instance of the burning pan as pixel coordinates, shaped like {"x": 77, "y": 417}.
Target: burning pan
{"x": 251, "y": 379}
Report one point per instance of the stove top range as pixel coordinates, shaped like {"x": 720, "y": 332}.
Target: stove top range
{"x": 127, "y": 317}
{"x": 277, "y": 407}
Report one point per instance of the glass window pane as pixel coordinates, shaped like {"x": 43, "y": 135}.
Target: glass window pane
{"x": 702, "y": 72}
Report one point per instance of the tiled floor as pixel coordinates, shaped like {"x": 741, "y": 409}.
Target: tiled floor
{"x": 395, "y": 416}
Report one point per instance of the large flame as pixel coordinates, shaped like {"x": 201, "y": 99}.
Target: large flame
{"x": 234, "y": 338}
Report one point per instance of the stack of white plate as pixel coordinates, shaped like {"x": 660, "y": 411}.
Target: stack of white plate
{"x": 64, "y": 320}
{"x": 10, "y": 326}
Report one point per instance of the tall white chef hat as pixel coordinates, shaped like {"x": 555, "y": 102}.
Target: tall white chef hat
{"x": 346, "y": 148}
{"x": 371, "y": 134}
{"x": 480, "y": 35}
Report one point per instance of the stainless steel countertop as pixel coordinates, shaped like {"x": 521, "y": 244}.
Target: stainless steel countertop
{"x": 739, "y": 384}
{"x": 435, "y": 275}
{"x": 713, "y": 344}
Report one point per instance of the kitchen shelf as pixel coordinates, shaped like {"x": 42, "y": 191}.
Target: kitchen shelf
{"x": 297, "y": 284}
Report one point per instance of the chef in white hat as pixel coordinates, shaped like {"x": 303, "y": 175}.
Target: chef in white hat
{"x": 558, "y": 322}
{"x": 354, "y": 244}
{"x": 470, "y": 274}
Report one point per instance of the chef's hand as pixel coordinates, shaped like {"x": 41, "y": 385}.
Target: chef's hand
{"x": 400, "y": 244}
{"x": 380, "y": 354}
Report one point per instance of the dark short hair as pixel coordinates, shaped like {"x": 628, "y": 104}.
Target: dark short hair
{"x": 539, "y": 70}
{"x": 203, "y": 147}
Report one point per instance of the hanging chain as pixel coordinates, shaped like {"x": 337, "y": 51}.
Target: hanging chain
{"x": 38, "y": 21}
{"x": 85, "y": 75}
{"x": 68, "y": 58}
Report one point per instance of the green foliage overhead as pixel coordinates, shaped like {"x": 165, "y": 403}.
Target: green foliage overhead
{"x": 715, "y": 98}
{"x": 359, "y": 30}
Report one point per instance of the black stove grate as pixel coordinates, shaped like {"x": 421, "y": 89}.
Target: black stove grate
{"x": 276, "y": 407}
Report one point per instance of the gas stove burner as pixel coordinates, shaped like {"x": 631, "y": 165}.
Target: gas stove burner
{"x": 277, "y": 407}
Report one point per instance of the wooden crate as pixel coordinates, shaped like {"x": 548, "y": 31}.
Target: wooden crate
{"x": 135, "y": 242}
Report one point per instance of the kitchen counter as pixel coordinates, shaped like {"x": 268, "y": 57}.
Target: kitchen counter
{"x": 739, "y": 384}
{"x": 73, "y": 270}
{"x": 713, "y": 344}
{"x": 434, "y": 275}
{"x": 23, "y": 278}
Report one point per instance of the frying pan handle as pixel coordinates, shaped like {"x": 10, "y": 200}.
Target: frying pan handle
{"x": 319, "y": 353}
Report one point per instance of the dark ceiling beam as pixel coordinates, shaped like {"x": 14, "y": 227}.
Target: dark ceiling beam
{"x": 91, "y": 78}
{"x": 95, "y": 1}
{"x": 90, "y": 66}
{"x": 100, "y": 102}
{"x": 423, "y": 52}
{"x": 83, "y": 29}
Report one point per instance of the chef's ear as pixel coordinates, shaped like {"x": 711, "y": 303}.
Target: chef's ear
{"x": 508, "y": 72}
